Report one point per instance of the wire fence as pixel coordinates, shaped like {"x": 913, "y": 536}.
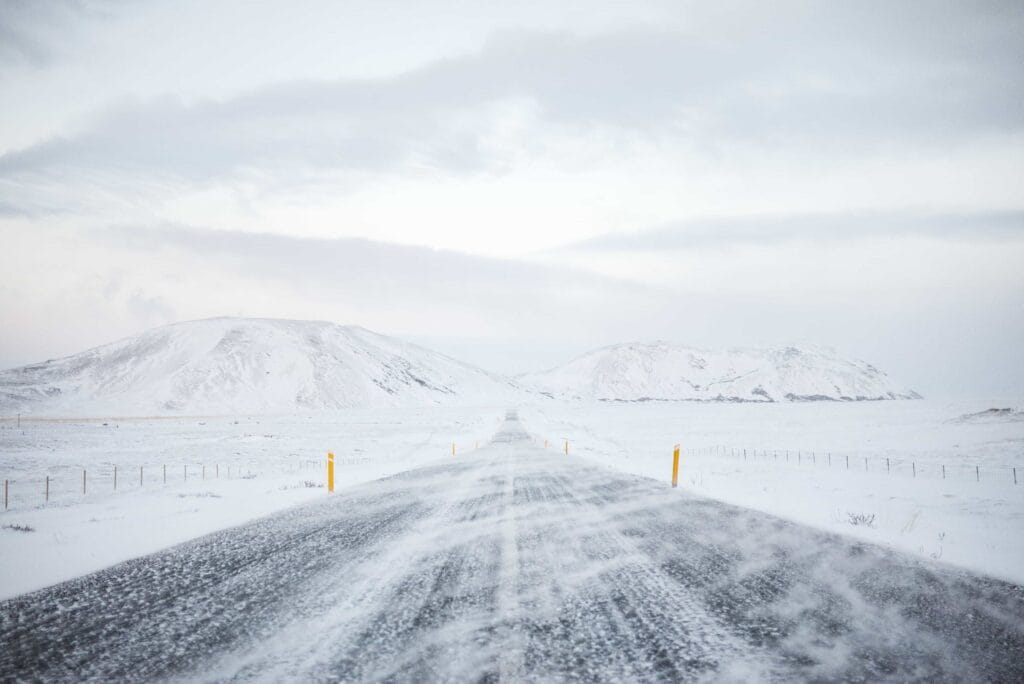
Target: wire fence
{"x": 926, "y": 468}
{"x": 69, "y": 484}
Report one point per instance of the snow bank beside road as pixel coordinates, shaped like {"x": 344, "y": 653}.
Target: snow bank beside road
{"x": 971, "y": 518}
{"x": 280, "y": 459}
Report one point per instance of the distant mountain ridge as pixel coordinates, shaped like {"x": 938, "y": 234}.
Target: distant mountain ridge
{"x": 666, "y": 371}
{"x": 238, "y": 365}
{"x": 241, "y": 365}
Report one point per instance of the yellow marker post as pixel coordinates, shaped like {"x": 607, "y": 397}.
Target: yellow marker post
{"x": 330, "y": 472}
{"x": 675, "y": 466}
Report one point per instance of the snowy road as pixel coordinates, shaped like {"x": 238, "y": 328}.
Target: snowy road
{"x": 514, "y": 562}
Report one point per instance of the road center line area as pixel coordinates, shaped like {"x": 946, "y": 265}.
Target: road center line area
{"x": 516, "y": 563}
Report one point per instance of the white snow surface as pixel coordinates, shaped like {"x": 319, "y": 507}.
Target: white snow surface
{"x": 665, "y": 371}
{"x": 237, "y": 365}
{"x": 243, "y": 467}
{"x": 908, "y": 475}
{"x": 220, "y": 472}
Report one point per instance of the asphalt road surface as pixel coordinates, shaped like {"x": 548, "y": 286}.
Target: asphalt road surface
{"x": 518, "y": 563}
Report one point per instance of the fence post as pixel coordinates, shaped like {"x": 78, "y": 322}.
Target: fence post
{"x": 330, "y": 472}
{"x": 140, "y": 476}
{"x": 847, "y": 461}
{"x": 47, "y": 488}
{"x": 453, "y": 448}
{"x": 115, "y": 478}
{"x": 204, "y": 471}
{"x": 83, "y": 481}
{"x": 186, "y": 472}
{"x": 216, "y": 472}
{"x": 977, "y": 475}
{"x": 830, "y": 459}
{"x": 165, "y": 473}
{"x": 886, "y": 464}
{"x": 914, "y": 468}
{"x": 1015, "y": 475}
{"x": 567, "y": 446}
{"x": 675, "y": 465}
{"x": 6, "y": 485}
{"x": 943, "y": 472}
{"x": 865, "y": 464}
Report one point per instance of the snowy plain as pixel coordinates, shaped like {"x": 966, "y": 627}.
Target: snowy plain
{"x": 892, "y": 493}
{"x": 221, "y": 471}
{"x": 260, "y": 465}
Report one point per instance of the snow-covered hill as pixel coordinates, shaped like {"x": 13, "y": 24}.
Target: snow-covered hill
{"x": 663, "y": 371}
{"x": 238, "y": 365}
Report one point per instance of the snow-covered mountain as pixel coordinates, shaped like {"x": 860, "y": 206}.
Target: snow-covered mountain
{"x": 663, "y": 371}
{"x": 239, "y": 365}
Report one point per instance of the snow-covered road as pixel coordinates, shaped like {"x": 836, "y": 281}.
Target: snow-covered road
{"x": 515, "y": 562}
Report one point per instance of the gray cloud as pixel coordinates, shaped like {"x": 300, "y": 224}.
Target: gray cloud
{"x": 500, "y": 291}
{"x": 35, "y": 32}
{"x": 822, "y": 228}
{"x": 846, "y": 81}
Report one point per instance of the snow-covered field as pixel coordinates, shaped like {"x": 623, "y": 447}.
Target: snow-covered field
{"x": 254, "y": 466}
{"x": 971, "y": 518}
{"x": 258, "y": 465}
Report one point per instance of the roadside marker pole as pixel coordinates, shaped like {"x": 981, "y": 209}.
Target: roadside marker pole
{"x": 567, "y": 447}
{"x": 330, "y": 472}
{"x": 165, "y": 473}
{"x": 675, "y": 466}
{"x": 47, "y": 488}
{"x": 140, "y": 476}
{"x": 6, "y": 486}
{"x": 115, "y": 478}
{"x": 453, "y": 448}
{"x": 83, "y": 481}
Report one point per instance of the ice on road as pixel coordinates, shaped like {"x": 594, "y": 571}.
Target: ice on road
{"x": 516, "y": 562}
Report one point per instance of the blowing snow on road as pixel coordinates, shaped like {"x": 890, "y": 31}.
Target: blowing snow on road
{"x": 511, "y": 562}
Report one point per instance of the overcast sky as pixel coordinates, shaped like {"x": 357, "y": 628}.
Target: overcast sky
{"x": 516, "y": 183}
